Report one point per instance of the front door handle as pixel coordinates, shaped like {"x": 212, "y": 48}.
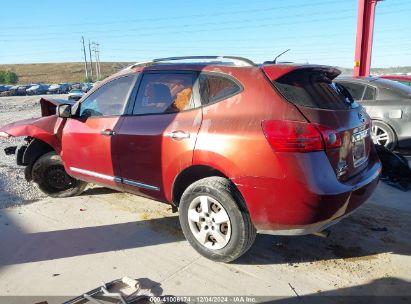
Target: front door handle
{"x": 108, "y": 132}
{"x": 178, "y": 135}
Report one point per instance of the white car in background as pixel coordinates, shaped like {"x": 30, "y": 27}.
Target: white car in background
{"x": 75, "y": 94}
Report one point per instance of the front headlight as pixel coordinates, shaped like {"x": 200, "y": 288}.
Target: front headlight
{"x": 4, "y": 134}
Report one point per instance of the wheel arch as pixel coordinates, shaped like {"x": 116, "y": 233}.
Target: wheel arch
{"x": 194, "y": 173}
{"x": 35, "y": 149}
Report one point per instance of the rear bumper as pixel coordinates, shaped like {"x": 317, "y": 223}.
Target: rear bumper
{"x": 309, "y": 200}
{"x": 306, "y": 229}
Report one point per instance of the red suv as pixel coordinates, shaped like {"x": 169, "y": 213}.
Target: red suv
{"x": 237, "y": 148}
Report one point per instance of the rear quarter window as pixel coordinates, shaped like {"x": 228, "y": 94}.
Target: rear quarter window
{"x": 214, "y": 88}
{"x": 355, "y": 89}
{"x": 312, "y": 89}
{"x": 370, "y": 93}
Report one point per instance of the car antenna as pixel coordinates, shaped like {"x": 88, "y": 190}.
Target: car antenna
{"x": 275, "y": 59}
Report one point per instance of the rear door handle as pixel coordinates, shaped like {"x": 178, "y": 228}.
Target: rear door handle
{"x": 108, "y": 132}
{"x": 178, "y": 135}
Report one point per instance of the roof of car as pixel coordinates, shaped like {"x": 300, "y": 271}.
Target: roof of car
{"x": 224, "y": 64}
{"x": 397, "y": 77}
{"x": 378, "y": 82}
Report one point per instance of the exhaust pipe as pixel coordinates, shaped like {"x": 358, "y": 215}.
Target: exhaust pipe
{"x": 324, "y": 233}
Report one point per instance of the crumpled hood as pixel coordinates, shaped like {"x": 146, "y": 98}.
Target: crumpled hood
{"x": 47, "y": 129}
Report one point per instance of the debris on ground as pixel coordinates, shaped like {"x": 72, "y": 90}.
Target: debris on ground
{"x": 395, "y": 169}
{"x": 125, "y": 290}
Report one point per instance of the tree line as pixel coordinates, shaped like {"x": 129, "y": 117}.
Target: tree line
{"x": 8, "y": 77}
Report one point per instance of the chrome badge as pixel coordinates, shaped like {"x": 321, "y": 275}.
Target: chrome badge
{"x": 361, "y": 117}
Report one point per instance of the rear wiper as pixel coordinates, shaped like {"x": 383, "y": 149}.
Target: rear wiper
{"x": 345, "y": 92}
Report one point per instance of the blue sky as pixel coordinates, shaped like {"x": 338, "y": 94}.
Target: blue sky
{"x": 316, "y": 31}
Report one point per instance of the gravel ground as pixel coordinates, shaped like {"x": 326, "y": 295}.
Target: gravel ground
{"x": 14, "y": 190}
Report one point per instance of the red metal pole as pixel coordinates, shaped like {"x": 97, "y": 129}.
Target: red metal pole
{"x": 365, "y": 29}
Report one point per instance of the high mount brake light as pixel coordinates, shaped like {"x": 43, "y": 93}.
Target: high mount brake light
{"x": 297, "y": 136}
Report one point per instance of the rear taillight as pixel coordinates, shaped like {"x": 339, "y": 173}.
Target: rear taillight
{"x": 297, "y": 136}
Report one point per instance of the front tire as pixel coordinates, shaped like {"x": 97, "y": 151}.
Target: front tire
{"x": 214, "y": 220}
{"x": 49, "y": 174}
{"x": 383, "y": 134}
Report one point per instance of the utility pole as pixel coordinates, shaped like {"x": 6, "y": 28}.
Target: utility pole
{"x": 98, "y": 59}
{"x": 85, "y": 58}
{"x": 94, "y": 44}
{"x": 91, "y": 60}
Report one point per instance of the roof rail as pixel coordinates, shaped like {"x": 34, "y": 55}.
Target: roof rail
{"x": 236, "y": 60}
{"x": 239, "y": 61}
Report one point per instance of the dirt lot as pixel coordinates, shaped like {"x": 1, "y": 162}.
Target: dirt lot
{"x": 52, "y": 248}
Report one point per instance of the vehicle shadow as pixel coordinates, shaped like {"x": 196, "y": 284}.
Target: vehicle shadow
{"x": 99, "y": 191}
{"x": 370, "y": 231}
{"x": 384, "y": 290}
{"x": 354, "y": 239}
{"x": 19, "y": 247}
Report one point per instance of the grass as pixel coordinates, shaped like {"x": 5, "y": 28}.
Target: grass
{"x": 74, "y": 71}
{"x": 58, "y": 72}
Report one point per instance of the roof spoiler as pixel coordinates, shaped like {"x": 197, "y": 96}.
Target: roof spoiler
{"x": 275, "y": 71}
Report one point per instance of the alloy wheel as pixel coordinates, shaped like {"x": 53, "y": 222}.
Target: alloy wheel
{"x": 209, "y": 222}
{"x": 380, "y": 136}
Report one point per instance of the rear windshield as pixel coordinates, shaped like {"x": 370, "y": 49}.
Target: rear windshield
{"x": 313, "y": 89}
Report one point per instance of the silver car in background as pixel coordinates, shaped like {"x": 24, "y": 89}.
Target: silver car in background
{"x": 75, "y": 94}
{"x": 389, "y": 105}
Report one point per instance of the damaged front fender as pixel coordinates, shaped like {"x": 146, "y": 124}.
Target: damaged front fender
{"x": 47, "y": 129}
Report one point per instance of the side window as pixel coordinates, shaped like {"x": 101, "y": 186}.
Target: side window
{"x": 164, "y": 93}
{"x": 369, "y": 93}
{"x": 356, "y": 90}
{"x": 109, "y": 100}
{"x": 215, "y": 87}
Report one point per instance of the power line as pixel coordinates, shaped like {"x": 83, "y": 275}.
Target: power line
{"x": 191, "y": 16}
{"x": 208, "y": 23}
{"x": 247, "y": 26}
{"x": 378, "y": 44}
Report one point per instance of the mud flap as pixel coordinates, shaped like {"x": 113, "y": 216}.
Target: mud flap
{"x": 20, "y": 154}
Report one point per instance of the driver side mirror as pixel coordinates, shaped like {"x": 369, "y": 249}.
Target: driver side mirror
{"x": 64, "y": 111}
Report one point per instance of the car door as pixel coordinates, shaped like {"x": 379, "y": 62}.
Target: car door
{"x": 87, "y": 140}
{"x": 394, "y": 108}
{"x": 156, "y": 140}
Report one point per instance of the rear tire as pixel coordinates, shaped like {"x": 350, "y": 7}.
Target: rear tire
{"x": 49, "y": 174}
{"x": 214, "y": 220}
